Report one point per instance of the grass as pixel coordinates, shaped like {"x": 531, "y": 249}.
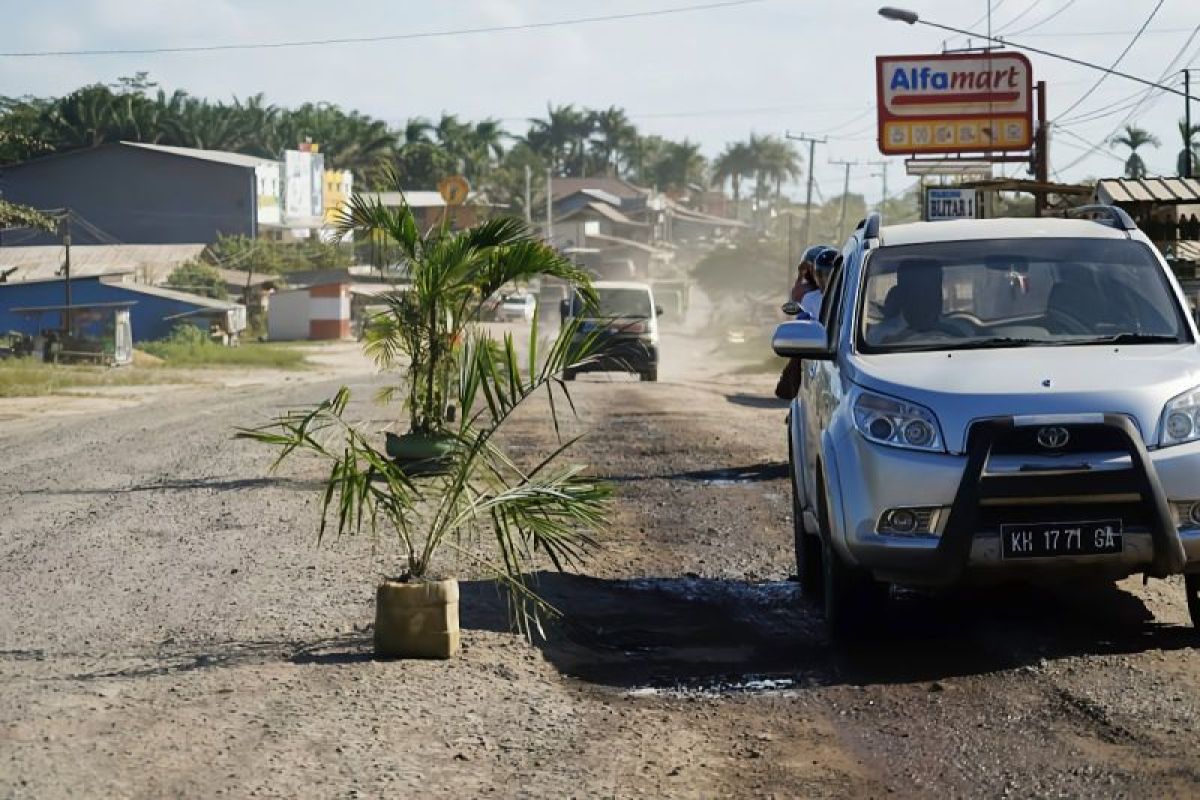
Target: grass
{"x": 177, "y": 353}
{"x": 24, "y": 377}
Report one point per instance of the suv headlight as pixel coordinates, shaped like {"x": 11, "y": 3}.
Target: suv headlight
{"x": 896, "y": 423}
{"x": 1181, "y": 419}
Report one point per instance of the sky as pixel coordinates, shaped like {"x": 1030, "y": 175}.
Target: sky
{"x": 713, "y": 75}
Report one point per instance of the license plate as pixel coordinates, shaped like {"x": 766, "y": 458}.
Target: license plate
{"x": 1048, "y": 539}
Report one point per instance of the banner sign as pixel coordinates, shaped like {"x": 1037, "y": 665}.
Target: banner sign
{"x": 943, "y": 204}
{"x": 954, "y": 103}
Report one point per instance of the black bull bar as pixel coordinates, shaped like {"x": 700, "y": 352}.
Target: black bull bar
{"x": 954, "y": 549}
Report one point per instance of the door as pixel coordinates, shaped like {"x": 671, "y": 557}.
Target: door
{"x": 123, "y": 339}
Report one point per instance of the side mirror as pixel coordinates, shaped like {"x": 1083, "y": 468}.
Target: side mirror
{"x": 658, "y": 311}
{"x": 804, "y": 339}
{"x": 791, "y": 308}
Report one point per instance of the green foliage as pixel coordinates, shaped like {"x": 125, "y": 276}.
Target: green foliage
{"x": 278, "y": 258}
{"x": 26, "y": 377}
{"x": 15, "y": 215}
{"x": 189, "y": 346}
{"x": 502, "y": 516}
{"x": 452, "y": 273}
{"x": 1134, "y": 137}
{"x": 200, "y": 279}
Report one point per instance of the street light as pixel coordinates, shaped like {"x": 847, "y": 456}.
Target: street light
{"x": 911, "y": 18}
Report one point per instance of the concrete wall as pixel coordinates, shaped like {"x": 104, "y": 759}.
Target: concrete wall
{"x": 136, "y": 196}
{"x": 288, "y": 316}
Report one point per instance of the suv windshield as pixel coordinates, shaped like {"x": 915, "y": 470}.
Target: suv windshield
{"x": 1014, "y": 293}
{"x": 616, "y": 303}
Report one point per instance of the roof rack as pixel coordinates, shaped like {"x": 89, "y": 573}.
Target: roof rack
{"x": 1117, "y": 218}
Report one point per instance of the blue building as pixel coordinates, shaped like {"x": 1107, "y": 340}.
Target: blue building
{"x": 32, "y": 307}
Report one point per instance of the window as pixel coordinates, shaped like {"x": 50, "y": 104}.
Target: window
{"x": 1016, "y": 292}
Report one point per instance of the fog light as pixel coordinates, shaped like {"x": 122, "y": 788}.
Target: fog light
{"x": 1187, "y": 513}
{"x": 1194, "y": 513}
{"x": 902, "y": 520}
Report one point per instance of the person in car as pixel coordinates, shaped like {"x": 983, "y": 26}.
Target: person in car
{"x": 913, "y": 308}
{"x": 823, "y": 264}
{"x": 805, "y": 282}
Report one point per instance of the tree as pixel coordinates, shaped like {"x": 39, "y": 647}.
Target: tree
{"x": 778, "y": 162}
{"x": 1189, "y": 156}
{"x": 421, "y": 165}
{"x": 560, "y": 138}
{"x": 612, "y": 135}
{"x": 1134, "y": 137}
{"x": 200, "y": 279}
{"x": 735, "y": 163}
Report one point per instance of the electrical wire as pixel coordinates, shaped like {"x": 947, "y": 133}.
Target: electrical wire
{"x": 1044, "y": 20}
{"x": 1116, "y": 63}
{"x": 1013, "y": 21}
{"x": 385, "y": 37}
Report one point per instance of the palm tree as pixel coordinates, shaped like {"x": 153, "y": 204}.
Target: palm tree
{"x": 779, "y": 162}
{"x": 1133, "y": 138}
{"x": 416, "y": 130}
{"x": 559, "y": 138}
{"x": 614, "y": 132}
{"x": 735, "y": 163}
{"x": 1189, "y": 156}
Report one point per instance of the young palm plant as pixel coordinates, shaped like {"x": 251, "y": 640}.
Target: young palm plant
{"x": 452, "y": 273}
{"x": 507, "y": 518}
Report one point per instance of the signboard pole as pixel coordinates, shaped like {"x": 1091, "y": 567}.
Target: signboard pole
{"x": 1041, "y": 163}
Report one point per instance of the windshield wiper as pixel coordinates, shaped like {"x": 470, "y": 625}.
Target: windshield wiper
{"x": 1129, "y": 338}
{"x": 974, "y": 344}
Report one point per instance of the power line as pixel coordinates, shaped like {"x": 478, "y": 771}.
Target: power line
{"x": 386, "y": 37}
{"x": 1115, "y": 63}
{"x": 1044, "y": 20}
{"x": 1104, "y": 33}
{"x": 1012, "y": 21}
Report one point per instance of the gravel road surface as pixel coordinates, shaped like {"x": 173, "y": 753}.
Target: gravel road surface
{"x": 168, "y": 628}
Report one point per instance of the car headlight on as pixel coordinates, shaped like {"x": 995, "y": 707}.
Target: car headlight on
{"x": 1181, "y": 419}
{"x": 896, "y": 423}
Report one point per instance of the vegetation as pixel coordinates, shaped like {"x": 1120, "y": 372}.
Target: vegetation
{"x": 1134, "y": 137}
{"x": 188, "y": 346}
{"x": 198, "y": 278}
{"x": 503, "y": 517}
{"x": 15, "y": 215}
{"x": 1190, "y": 149}
{"x": 276, "y": 258}
{"x": 25, "y": 377}
{"x": 452, "y": 273}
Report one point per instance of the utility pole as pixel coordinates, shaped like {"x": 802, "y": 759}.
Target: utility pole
{"x": 883, "y": 173}
{"x": 1041, "y": 156}
{"x": 845, "y": 197}
{"x": 812, "y": 149}
{"x": 528, "y": 194}
{"x": 1187, "y": 123}
{"x": 549, "y": 205}
{"x": 65, "y": 222}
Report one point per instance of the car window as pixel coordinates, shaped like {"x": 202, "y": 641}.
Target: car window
{"x": 1015, "y": 292}
{"x": 617, "y": 303}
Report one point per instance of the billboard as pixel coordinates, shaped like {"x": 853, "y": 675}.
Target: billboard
{"x": 954, "y": 103}
{"x": 943, "y": 204}
{"x": 303, "y": 188}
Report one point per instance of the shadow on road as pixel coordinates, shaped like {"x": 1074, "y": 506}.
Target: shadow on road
{"x": 757, "y": 401}
{"x": 193, "y": 484}
{"x": 713, "y": 635}
{"x": 753, "y": 473}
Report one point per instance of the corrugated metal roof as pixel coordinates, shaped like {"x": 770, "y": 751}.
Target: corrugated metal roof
{"x": 606, "y": 211}
{"x": 219, "y": 156}
{"x": 1149, "y": 190}
{"x": 148, "y": 263}
{"x": 174, "y": 294}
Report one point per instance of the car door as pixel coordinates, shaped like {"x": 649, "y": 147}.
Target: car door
{"x": 821, "y": 384}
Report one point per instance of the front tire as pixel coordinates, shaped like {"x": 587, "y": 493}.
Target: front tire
{"x": 1191, "y": 584}
{"x": 854, "y": 601}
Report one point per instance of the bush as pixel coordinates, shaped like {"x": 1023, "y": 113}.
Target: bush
{"x": 189, "y": 346}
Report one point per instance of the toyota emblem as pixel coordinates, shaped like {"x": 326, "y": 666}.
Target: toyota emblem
{"x": 1054, "y": 437}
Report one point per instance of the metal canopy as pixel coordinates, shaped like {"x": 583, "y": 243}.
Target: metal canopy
{"x": 1168, "y": 191}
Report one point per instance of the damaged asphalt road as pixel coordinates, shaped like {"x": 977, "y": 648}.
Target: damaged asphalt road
{"x": 168, "y": 628}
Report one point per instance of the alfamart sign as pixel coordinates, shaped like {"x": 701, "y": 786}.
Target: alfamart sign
{"x": 972, "y": 103}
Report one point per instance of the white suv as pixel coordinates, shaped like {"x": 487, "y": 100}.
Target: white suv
{"x": 994, "y": 399}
